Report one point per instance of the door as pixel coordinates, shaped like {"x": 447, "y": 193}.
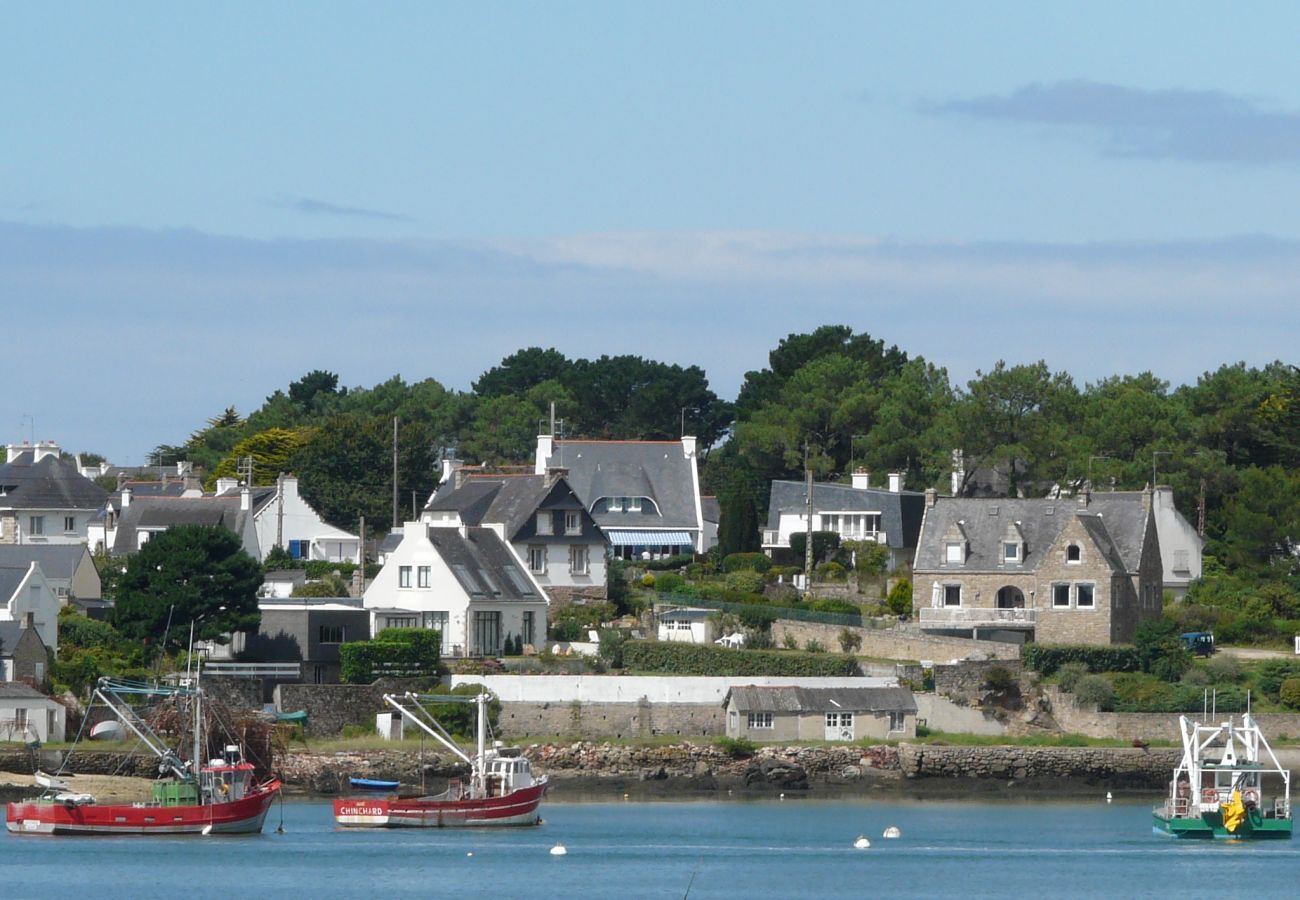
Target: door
{"x": 1011, "y": 597}
{"x": 839, "y": 726}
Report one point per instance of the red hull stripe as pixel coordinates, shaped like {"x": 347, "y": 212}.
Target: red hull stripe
{"x": 517, "y": 808}
{"x": 240, "y": 817}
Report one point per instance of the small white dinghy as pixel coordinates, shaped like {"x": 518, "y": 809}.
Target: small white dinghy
{"x": 108, "y": 730}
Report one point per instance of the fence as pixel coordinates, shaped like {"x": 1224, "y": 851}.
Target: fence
{"x": 781, "y": 612}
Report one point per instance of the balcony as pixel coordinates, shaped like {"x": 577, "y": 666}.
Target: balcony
{"x": 772, "y": 537}
{"x": 955, "y": 617}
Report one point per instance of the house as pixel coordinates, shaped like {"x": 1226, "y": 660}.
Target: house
{"x": 1180, "y": 545}
{"x": 68, "y": 568}
{"x": 26, "y": 597}
{"x": 855, "y": 511}
{"x": 23, "y": 656}
{"x": 279, "y": 584}
{"x": 540, "y": 517}
{"x": 144, "y": 517}
{"x": 787, "y": 713}
{"x": 283, "y": 518}
{"x": 1079, "y": 571}
{"x": 687, "y": 625}
{"x": 43, "y": 498}
{"x": 27, "y": 715}
{"x": 644, "y": 495}
{"x": 308, "y": 631}
{"x": 466, "y": 582}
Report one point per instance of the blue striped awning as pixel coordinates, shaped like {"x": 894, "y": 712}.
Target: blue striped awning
{"x": 649, "y": 538}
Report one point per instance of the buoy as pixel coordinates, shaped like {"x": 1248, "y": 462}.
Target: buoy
{"x": 1108, "y": 796}
{"x": 470, "y": 853}
{"x": 861, "y": 843}
{"x": 207, "y": 830}
{"x": 781, "y": 797}
{"x": 626, "y": 796}
{"x": 892, "y": 832}
{"x": 559, "y": 850}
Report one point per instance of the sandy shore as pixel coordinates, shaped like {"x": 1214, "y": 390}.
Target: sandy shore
{"x": 104, "y": 788}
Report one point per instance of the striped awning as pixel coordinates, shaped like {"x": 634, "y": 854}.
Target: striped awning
{"x": 649, "y": 538}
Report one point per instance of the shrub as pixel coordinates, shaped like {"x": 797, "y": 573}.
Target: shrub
{"x": 756, "y": 618}
{"x": 814, "y": 646}
{"x": 737, "y": 748}
{"x": 1160, "y": 650}
{"x": 850, "y": 641}
{"x": 745, "y": 581}
{"x": 1272, "y": 673}
{"x": 832, "y": 605}
{"x": 1290, "y": 693}
{"x": 746, "y": 562}
{"x": 1069, "y": 674}
{"x": 789, "y": 642}
{"x": 647, "y": 580}
{"x": 825, "y": 543}
{"x": 1095, "y": 689}
{"x": 610, "y": 650}
{"x": 395, "y": 652}
{"x": 831, "y": 571}
{"x": 1197, "y": 676}
{"x": 869, "y": 557}
{"x": 999, "y": 678}
{"x": 669, "y": 562}
{"x": 1047, "y": 658}
{"x": 667, "y": 582}
{"x": 900, "y": 598}
{"x": 697, "y": 659}
{"x": 1223, "y": 669}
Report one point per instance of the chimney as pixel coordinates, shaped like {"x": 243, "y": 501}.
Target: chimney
{"x": 126, "y": 497}
{"x": 545, "y": 447}
{"x": 554, "y": 474}
{"x": 121, "y": 480}
{"x": 450, "y": 466}
{"x": 1085, "y": 497}
{"x": 688, "y": 445}
{"x": 861, "y": 479}
{"x": 896, "y": 482}
{"x": 226, "y": 485}
{"x": 958, "y": 471}
{"x": 931, "y": 497}
{"x": 13, "y": 451}
{"x": 246, "y": 499}
{"x": 29, "y": 620}
{"x": 44, "y": 449}
{"x": 1146, "y": 499}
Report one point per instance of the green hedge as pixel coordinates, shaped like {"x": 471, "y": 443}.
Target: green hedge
{"x": 695, "y": 659}
{"x": 1047, "y": 658}
{"x": 396, "y": 652}
{"x": 674, "y": 563}
{"x": 751, "y": 562}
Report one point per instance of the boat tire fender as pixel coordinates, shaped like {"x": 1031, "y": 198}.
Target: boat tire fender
{"x": 1250, "y": 797}
{"x": 1209, "y": 795}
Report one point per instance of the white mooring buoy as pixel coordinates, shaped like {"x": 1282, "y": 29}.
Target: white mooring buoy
{"x": 1108, "y": 796}
{"x": 892, "y": 832}
{"x": 559, "y": 850}
{"x": 861, "y": 843}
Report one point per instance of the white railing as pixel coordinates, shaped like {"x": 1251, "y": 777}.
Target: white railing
{"x": 966, "y": 616}
{"x": 772, "y": 536}
{"x": 253, "y": 670}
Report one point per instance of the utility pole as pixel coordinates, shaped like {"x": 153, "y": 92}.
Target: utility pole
{"x": 279, "y": 511}
{"x": 808, "y": 539}
{"x": 1200, "y": 511}
{"x": 395, "y": 522}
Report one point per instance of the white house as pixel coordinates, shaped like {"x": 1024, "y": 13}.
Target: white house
{"x": 143, "y": 517}
{"x": 540, "y": 517}
{"x": 644, "y": 495}
{"x": 25, "y": 590}
{"x": 687, "y": 625}
{"x": 282, "y": 517}
{"x": 68, "y": 568}
{"x": 43, "y": 498}
{"x": 27, "y": 715}
{"x": 466, "y": 582}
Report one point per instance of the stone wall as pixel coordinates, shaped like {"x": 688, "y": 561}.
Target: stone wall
{"x": 965, "y": 680}
{"x": 1111, "y": 765}
{"x": 611, "y": 720}
{"x": 332, "y": 707}
{"x": 892, "y": 643}
{"x": 1087, "y": 720}
{"x": 941, "y": 714}
{"x": 237, "y": 693}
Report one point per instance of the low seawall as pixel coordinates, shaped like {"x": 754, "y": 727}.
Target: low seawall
{"x": 1118, "y": 766}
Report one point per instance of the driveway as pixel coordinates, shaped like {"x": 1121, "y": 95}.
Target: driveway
{"x": 1255, "y": 653}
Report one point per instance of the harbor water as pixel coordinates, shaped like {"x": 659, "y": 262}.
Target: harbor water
{"x": 734, "y": 848}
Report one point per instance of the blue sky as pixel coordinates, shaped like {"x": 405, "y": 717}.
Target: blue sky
{"x": 199, "y": 205}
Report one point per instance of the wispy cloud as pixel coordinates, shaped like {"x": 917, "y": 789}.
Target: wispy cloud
{"x": 1200, "y": 126}
{"x": 314, "y": 207}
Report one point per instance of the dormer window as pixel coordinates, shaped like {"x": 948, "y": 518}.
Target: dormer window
{"x": 1011, "y": 551}
{"x": 544, "y": 523}
{"x": 572, "y": 523}
{"x": 1074, "y": 554}
{"x": 1013, "y": 545}
{"x": 954, "y": 553}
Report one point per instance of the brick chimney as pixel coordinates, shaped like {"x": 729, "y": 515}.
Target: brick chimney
{"x": 931, "y": 497}
{"x": 554, "y": 474}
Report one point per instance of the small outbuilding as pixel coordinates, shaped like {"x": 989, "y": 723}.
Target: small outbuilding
{"x": 27, "y": 715}
{"x": 687, "y": 625}
{"x": 781, "y": 713}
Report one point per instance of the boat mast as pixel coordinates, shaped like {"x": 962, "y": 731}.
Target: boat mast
{"x": 480, "y": 764}
{"x": 198, "y": 722}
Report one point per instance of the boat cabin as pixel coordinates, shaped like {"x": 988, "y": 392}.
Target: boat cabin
{"x": 226, "y": 779}
{"x": 507, "y": 770}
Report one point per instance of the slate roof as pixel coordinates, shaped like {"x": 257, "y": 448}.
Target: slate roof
{"x": 900, "y": 512}
{"x": 1118, "y": 527}
{"x": 160, "y": 513}
{"x": 10, "y": 634}
{"x": 482, "y": 564}
{"x": 659, "y": 470}
{"x": 711, "y": 509}
{"x": 57, "y": 560}
{"x": 17, "y": 690}
{"x": 52, "y": 483}
{"x": 510, "y": 501}
{"x": 10, "y": 578}
{"x": 776, "y": 698}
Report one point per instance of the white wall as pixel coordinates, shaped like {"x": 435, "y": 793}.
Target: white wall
{"x": 633, "y": 688}
{"x": 53, "y": 526}
{"x": 302, "y": 523}
{"x": 35, "y": 595}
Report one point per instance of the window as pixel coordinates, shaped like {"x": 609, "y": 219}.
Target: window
{"x": 760, "y": 720}
{"x": 403, "y": 576}
{"x": 578, "y": 560}
{"x": 299, "y": 549}
{"x": 69, "y": 523}
{"x": 954, "y": 553}
{"x": 1181, "y": 561}
{"x": 1074, "y": 554}
{"x": 536, "y": 559}
{"x": 422, "y": 576}
{"x": 331, "y": 634}
{"x": 572, "y": 523}
{"x": 36, "y": 524}
{"x": 20, "y": 718}
{"x": 528, "y": 632}
{"x": 545, "y": 523}
{"x": 1060, "y": 596}
{"x": 1011, "y": 551}
{"x": 897, "y": 721}
{"x": 952, "y": 595}
{"x": 615, "y": 504}
{"x": 401, "y": 622}
{"x": 633, "y": 504}
{"x": 839, "y": 720}
{"x": 38, "y": 669}
{"x": 487, "y": 633}
{"x": 1083, "y": 597}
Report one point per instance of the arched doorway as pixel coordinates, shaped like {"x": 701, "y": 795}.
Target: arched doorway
{"x": 1011, "y": 597}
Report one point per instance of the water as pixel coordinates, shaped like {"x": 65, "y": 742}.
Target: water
{"x": 750, "y": 849}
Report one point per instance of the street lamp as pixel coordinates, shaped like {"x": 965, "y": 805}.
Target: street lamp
{"x": 693, "y": 409}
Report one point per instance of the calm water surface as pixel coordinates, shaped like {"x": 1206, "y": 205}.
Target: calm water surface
{"x": 750, "y": 849}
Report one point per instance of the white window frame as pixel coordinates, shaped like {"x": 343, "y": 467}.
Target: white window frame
{"x": 1078, "y": 551}
{"x": 1069, "y": 596}
{"x": 572, "y": 522}
{"x": 760, "y": 721}
{"x": 423, "y": 576}
{"x": 954, "y": 553}
{"x": 633, "y": 504}
{"x": 839, "y": 720}
{"x": 545, "y": 523}
{"x": 403, "y": 576}
{"x": 537, "y": 559}
{"x": 579, "y": 563}
{"x": 897, "y": 721}
{"x": 1014, "y": 555}
{"x": 69, "y": 524}
{"x": 946, "y": 604}
{"x": 1092, "y": 595}
{"x": 36, "y": 525}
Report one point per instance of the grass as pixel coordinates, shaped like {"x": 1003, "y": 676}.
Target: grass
{"x": 941, "y": 738}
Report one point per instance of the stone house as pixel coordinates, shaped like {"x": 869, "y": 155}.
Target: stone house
{"x": 27, "y": 598}
{"x": 1086, "y": 570}
{"x": 542, "y": 520}
{"x": 786, "y": 713}
{"x": 856, "y": 512}
{"x": 23, "y": 656}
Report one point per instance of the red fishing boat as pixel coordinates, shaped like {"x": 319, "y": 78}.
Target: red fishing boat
{"x": 221, "y": 797}
{"x": 501, "y": 789}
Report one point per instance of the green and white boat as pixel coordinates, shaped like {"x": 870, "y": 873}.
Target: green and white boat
{"x": 1228, "y": 785}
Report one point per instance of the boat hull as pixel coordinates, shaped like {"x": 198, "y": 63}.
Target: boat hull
{"x": 1209, "y": 826}
{"x": 243, "y": 816}
{"x": 516, "y": 808}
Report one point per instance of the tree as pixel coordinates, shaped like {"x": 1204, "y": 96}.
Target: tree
{"x": 316, "y": 382}
{"x": 188, "y": 574}
{"x": 272, "y": 452}
{"x": 522, "y": 371}
{"x": 1261, "y": 521}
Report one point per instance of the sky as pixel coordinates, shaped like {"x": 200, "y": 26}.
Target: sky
{"x": 199, "y": 204}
